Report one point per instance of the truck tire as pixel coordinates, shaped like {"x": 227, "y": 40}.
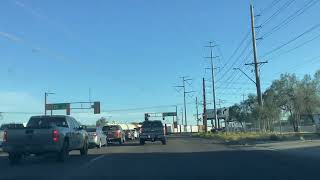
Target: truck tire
{"x": 164, "y": 141}
{"x": 64, "y": 152}
{"x": 142, "y": 142}
{"x": 14, "y": 158}
{"x": 84, "y": 149}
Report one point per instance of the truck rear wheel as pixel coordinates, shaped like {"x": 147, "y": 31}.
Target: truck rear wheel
{"x": 164, "y": 141}
{"x": 142, "y": 142}
{"x": 64, "y": 152}
{"x": 84, "y": 149}
{"x": 15, "y": 158}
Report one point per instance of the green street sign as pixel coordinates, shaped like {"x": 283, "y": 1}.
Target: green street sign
{"x": 169, "y": 114}
{"x": 58, "y": 106}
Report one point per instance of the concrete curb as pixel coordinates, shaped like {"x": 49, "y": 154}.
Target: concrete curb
{"x": 285, "y": 138}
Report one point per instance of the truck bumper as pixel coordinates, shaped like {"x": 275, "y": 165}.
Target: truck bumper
{"x": 30, "y": 149}
{"x": 152, "y": 137}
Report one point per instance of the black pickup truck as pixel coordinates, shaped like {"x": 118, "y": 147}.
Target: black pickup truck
{"x": 152, "y": 131}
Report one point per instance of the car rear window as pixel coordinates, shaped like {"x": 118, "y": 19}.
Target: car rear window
{"x": 91, "y": 129}
{"x": 152, "y": 124}
{"x": 11, "y": 126}
{"x": 45, "y": 122}
{"x": 110, "y": 128}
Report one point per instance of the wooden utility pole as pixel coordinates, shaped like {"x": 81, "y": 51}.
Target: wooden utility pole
{"x": 204, "y": 105}
{"x": 255, "y": 57}
{"x": 211, "y": 57}
{"x": 197, "y": 110}
{"x": 256, "y": 64}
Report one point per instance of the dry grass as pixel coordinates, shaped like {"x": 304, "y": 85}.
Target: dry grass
{"x": 242, "y": 136}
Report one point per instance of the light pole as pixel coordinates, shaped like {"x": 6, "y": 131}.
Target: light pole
{"x": 45, "y": 102}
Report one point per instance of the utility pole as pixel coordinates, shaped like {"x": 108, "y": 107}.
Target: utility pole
{"x": 181, "y": 119}
{"x": 256, "y": 63}
{"x": 197, "y": 110}
{"x": 204, "y": 105}
{"x": 89, "y": 94}
{"x": 255, "y": 57}
{"x": 45, "y": 103}
{"x": 197, "y": 115}
{"x": 184, "y": 101}
{"x": 213, "y": 84}
{"x": 184, "y": 80}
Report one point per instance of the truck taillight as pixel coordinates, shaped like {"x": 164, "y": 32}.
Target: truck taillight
{"x": 5, "y": 136}
{"x": 55, "y": 135}
{"x": 118, "y": 131}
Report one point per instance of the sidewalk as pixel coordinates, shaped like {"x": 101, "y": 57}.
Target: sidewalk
{"x": 308, "y": 148}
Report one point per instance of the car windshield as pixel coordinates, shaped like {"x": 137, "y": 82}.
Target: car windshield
{"x": 152, "y": 124}
{"x": 110, "y": 128}
{"x": 44, "y": 122}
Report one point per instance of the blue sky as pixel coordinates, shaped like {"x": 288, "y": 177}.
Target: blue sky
{"x": 131, "y": 53}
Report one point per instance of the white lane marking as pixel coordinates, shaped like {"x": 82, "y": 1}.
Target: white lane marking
{"x": 93, "y": 160}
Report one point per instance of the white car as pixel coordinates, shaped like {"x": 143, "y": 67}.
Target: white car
{"x": 135, "y": 133}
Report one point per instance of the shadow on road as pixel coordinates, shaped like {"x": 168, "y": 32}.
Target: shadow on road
{"x": 233, "y": 164}
{"x": 128, "y": 143}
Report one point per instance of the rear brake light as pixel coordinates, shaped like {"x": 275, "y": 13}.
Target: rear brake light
{"x": 55, "y": 135}
{"x": 5, "y": 136}
{"x": 118, "y": 131}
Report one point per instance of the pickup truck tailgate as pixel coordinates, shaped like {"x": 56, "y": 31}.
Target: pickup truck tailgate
{"x": 153, "y": 130}
{"x": 29, "y": 136}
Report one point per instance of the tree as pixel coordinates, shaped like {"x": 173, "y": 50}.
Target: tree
{"x": 270, "y": 112}
{"x": 245, "y": 111}
{"x": 299, "y": 98}
{"x": 101, "y": 122}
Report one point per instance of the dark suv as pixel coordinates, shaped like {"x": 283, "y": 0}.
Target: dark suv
{"x": 152, "y": 131}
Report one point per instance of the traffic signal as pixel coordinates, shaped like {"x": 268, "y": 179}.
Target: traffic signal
{"x": 146, "y": 116}
{"x": 96, "y": 107}
{"x": 68, "y": 109}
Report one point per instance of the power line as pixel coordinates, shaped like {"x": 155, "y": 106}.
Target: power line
{"x": 296, "y": 47}
{"x": 284, "y": 6}
{"x": 271, "y": 5}
{"x": 291, "y": 17}
{"x": 292, "y": 40}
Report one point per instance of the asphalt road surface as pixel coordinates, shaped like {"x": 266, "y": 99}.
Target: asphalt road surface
{"x": 182, "y": 158}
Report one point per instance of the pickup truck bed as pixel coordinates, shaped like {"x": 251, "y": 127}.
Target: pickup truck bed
{"x": 31, "y": 141}
{"x": 45, "y": 134}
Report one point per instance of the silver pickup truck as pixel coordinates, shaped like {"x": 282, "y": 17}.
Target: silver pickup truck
{"x": 152, "y": 131}
{"x": 45, "y": 134}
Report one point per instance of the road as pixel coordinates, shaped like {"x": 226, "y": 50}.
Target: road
{"x": 182, "y": 158}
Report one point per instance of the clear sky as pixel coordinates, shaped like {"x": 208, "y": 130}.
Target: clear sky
{"x": 131, "y": 53}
